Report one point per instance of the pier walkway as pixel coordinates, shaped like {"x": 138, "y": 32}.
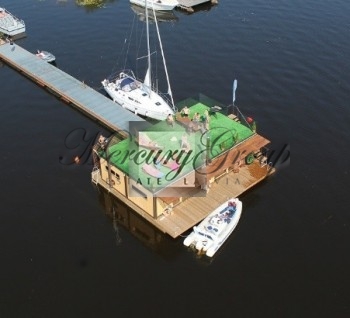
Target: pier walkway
{"x": 189, "y": 4}
{"x": 67, "y": 88}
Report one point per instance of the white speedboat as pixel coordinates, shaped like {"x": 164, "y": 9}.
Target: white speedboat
{"x": 159, "y": 5}
{"x": 46, "y": 56}
{"x": 9, "y": 24}
{"x": 212, "y": 232}
{"x": 141, "y": 98}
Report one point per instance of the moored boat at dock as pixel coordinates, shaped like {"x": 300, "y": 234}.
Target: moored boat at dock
{"x": 213, "y": 231}
{"x": 11, "y": 25}
{"x": 46, "y": 56}
{"x": 142, "y": 97}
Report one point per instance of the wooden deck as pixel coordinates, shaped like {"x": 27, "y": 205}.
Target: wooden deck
{"x": 67, "y": 88}
{"x": 189, "y": 4}
{"x": 194, "y": 209}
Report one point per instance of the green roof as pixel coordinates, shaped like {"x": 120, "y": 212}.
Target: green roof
{"x": 223, "y": 134}
{"x": 223, "y": 130}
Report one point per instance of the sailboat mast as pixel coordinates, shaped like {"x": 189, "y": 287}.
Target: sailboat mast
{"x": 147, "y": 80}
{"x": 164, "y": 62}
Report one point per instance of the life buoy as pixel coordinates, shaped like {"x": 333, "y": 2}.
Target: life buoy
{"x": 249, "y": 159}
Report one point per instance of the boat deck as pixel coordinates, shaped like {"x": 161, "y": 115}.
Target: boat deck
{"x": 9, "y": 24}
{"x": 67, "y": 88}
{"x": 194, "y": 209}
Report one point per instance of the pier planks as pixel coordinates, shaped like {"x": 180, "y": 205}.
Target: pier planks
{"x": 69, "y": 89}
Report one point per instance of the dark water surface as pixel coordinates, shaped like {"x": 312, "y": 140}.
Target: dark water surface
{"x": 61, "y": 253}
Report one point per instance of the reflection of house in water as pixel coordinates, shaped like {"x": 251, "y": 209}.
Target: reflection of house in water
{"x": 173, "y": 174}
{"x": 121, "y": 215}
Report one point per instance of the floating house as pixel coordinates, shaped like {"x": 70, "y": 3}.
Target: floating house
{"x": 174, "y": 173}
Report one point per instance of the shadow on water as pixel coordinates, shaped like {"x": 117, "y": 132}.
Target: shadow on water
{"x": 206, "y": 6}
{"x": 168, "y": 248}
{"x": 121, "y": 215}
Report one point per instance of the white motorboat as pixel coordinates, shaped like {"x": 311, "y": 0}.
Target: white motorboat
{"x": 212, "y": 232}
{"x": 9, "y": 24}
{"x": 159, "y": 5}
{"x": 139, "y": 97}
{"x": 46, "y": 56}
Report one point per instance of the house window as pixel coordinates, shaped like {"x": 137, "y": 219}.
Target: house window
{"x": 114, "y": 173}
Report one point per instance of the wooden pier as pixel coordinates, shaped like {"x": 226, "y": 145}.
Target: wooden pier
{"x": 70, "y": 90}
{"x": 189, "y": 4}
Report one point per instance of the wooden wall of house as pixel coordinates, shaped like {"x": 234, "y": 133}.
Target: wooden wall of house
{"x": 132, "y": 190}
{"x": 142, "y": 197}
{"x": 171, "y": 194}
{"x": 116, "y": 178}
{"x": 161, "y": 207}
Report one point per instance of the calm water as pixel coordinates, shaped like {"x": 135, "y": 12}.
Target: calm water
{"x": 63, "y": 255}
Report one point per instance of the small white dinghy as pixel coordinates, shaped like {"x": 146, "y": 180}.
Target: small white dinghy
{"x": 209, "y": 235}
{"x": 46, "y": 56}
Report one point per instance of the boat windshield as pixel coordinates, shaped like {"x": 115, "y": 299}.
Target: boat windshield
{"x": 128, "y": 84}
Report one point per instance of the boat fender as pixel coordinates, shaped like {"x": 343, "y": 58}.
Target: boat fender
{"x": 249, "y": 159}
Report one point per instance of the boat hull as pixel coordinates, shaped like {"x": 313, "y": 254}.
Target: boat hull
{"x": 138, "y": 100}
{"x": 9, "y": 24}
{"x": 159, "y": 5}
{"x": 13, "y": 32}
{"x": 214, "y": 230}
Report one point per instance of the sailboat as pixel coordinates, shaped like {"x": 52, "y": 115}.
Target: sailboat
{"x": 139, "y": 97}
